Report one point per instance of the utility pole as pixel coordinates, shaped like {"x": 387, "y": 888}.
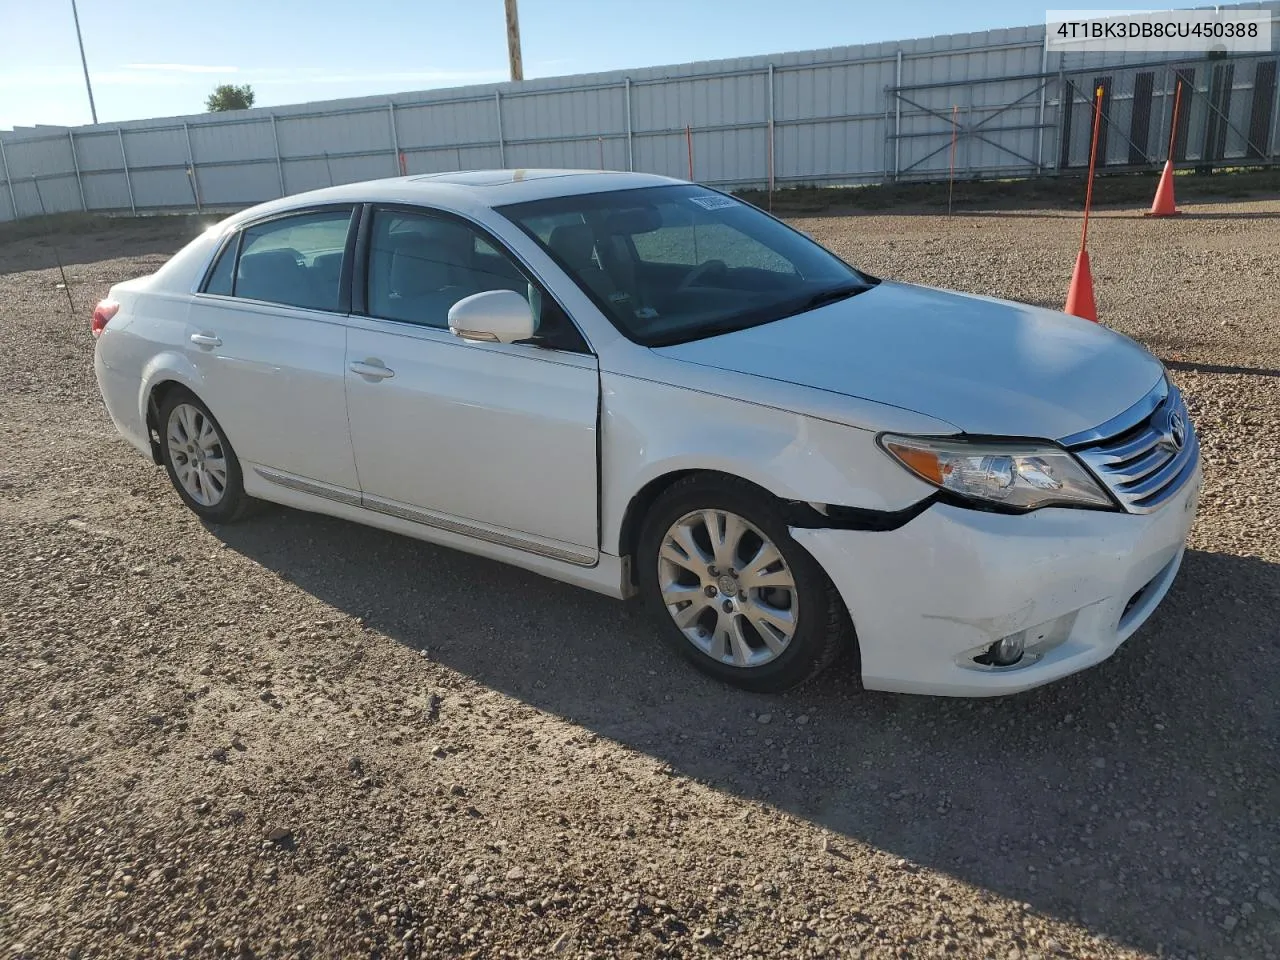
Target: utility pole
{"x": 513, "y": 41}
{"x": 84, "y": 63}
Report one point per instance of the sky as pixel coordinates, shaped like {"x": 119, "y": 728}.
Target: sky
{"x": 156, "y": 58}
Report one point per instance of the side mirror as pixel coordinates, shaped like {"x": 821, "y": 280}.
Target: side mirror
{"x": 497, "y": 316}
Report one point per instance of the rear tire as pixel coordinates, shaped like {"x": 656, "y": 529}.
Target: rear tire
{"x": 733, "y": 592}
{"x": 201, "y": 463}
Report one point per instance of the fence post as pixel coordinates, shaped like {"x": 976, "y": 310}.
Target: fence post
{"x": 4, "y": 165}
{"x": 395, "y": 138}
{"x": 1063, "y": 93}
{"x": 191, "y": 167}
{"x": 897, "y": 118}
{"x": 502, "y": 146}
{"x": 626, "y": 86}
{"x": 771, "y": 145}
{"x": 275, "y": 138}
{"x": 1275, "y": 115}
{"x": 968, "y": 141}
{"x": 124, "y": 160}
{"x": 1044, "y": 86}
{"x": 75, "y": 162}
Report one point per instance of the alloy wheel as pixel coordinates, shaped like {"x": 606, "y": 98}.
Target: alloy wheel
{"x": 197, "y": 453}
{"x": 728, "y": 588}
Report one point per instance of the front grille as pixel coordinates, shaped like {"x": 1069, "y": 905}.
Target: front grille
{"x": 1143, "y": 463}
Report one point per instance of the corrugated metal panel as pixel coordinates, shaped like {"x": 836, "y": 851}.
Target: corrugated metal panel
{"x": 215, "y": 143}
{"x": 242, "y": 185}
{"x": 41, "y": 158}
{"x": 106, "y": 191}
{"x": 560, "y": 115}
{"x": 343, "y": 133}
{"x": 59, "y": 195}
{"x": 155, "y": 148}
{"x": 166, "y": 189}
{"x": 303, "y": 175}
{"x": 434, "y": 124}
{"x": 98, "y": 151}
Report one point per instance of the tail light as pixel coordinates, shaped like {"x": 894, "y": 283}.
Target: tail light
{"x": 102, "y": 314}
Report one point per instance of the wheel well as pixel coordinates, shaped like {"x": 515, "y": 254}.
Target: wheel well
{"x": 638, "y": 508}
{"x": 154, "y": 400}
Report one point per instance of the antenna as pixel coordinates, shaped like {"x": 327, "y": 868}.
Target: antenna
{"x": 328, "y": 169}
{"x": 66, "y": 287}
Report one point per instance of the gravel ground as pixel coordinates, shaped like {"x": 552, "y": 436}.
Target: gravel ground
{"x": 300, "y": 737}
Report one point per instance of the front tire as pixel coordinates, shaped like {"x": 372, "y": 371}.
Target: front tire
{"x": 201, "y": 464}
{"x": 733, "y": 592}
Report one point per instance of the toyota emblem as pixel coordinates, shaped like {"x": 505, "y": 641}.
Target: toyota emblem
{"x": 1175, "y": 431}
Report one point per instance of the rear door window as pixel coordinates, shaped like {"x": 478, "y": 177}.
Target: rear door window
{"x": 295, "y": 260}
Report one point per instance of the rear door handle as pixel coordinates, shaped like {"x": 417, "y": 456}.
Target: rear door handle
{"x": 205, "y": 340}
{"x": 372, "y": 369}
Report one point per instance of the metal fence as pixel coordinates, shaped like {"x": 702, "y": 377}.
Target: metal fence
{"x": 993, "y": 104}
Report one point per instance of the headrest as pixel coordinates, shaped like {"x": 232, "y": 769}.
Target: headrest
{"x": 573, "y": 243}
{"x": 633, "y": 220}
{"x": 267, "y": 263}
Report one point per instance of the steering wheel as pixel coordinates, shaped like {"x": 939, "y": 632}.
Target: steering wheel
{"x": 701, "y": 270}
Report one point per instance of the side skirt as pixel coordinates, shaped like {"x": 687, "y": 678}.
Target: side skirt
{"x": 603, "y": 573}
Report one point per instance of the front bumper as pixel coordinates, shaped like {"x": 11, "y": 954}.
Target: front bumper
{"x": 929, "y": 596}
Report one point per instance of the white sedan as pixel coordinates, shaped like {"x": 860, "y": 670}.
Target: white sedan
{"x": 636, "y": 384}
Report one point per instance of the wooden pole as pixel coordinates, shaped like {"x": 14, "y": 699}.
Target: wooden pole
{"x": 513, "y": 41}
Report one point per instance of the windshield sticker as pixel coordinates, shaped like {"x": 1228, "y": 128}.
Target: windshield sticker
{"x": 714, "y": 203}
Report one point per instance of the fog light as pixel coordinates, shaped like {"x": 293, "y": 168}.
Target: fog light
{"x": 1007, "y": 651}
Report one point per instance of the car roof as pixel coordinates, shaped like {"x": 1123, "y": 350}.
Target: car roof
{"x": 467, "y": 189}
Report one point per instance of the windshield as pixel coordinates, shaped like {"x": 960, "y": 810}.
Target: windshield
{"x": 679, "y": 263}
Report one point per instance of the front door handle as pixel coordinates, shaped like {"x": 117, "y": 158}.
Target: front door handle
{"x": 372, "y": 369}
{"x": 205, "y": 340}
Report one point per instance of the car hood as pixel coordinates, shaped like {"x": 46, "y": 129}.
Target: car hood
{"x": 987, "y": 366}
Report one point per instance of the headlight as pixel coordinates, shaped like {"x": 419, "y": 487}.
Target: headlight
{"x": 1017, "y": 475}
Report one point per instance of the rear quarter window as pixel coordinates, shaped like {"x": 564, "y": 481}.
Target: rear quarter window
{"x": 220, "y": 277}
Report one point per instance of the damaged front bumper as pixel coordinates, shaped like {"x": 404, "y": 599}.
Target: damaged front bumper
{"x": 928, "y": 598}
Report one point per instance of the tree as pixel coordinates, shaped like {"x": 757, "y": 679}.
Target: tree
{"x": 227, "y": 96}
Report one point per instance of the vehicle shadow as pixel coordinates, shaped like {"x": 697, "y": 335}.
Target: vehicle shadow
{"x": 1137, "y": 798}
{"x": 1195, "y": 366}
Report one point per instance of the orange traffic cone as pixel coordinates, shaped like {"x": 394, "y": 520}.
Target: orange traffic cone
{"x": 1163, "y": 205}
{"x": 1080, "y": 295}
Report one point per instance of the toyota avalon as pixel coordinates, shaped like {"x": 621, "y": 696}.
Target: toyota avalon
{"x": 644, "y": 386}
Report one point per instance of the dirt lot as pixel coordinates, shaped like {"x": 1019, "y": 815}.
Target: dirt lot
{"x": 299, "y": 737}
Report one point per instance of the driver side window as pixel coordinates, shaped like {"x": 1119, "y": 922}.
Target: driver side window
{"x": 420, "y": 265}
